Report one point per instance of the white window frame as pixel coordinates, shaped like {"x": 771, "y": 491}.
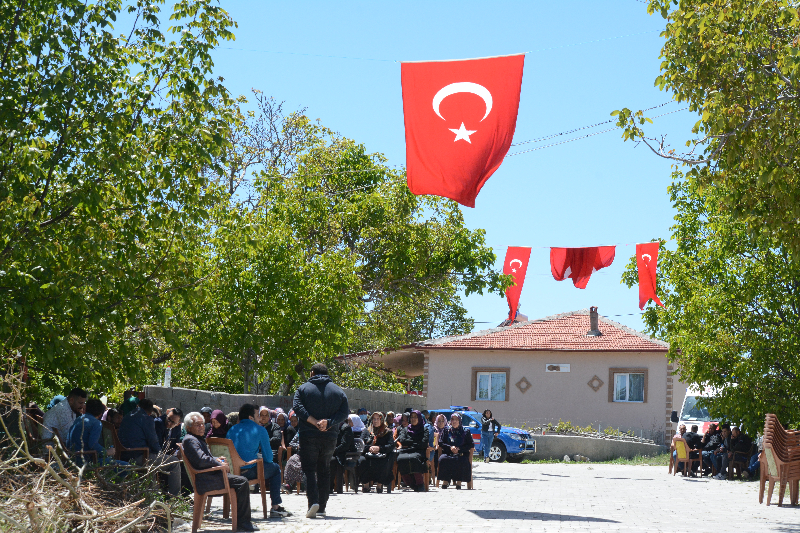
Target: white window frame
{"x": 491, "y": 375}
{"x": 627, "y": 376}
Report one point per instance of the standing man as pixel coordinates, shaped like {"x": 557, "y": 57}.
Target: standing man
{"x": 321, "y": 407}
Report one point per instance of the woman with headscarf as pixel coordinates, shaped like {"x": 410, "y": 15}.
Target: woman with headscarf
{"x": 286, "y": 428}
{"x": 358, "y": 426}
{"x": 389, "y": 419}
{"x": 379, "y": 449}
{"x": 345, "y": 443}
{"x": 413, "y": 442}
{"x": 264, "y": 418}
{"x": 456, "y": 446}
{"x": 439, "y": 423}
{"x": 219, "y": 425}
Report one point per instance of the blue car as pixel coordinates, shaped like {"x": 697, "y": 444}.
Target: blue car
{"x": 512, "y": 443}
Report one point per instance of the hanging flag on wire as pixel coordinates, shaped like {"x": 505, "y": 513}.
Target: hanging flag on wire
{"x": 579, "y": 263}
{"x": 460, "y": 118}
{"x": 646, "y": 262}
{"x": 516, "y": 265}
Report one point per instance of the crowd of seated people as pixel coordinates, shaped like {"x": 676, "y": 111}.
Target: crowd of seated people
{"x": 373, "y": 446}
{"x": 718, "y": 448}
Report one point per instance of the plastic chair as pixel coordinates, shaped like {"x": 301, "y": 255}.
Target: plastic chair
{"x": 781, "y": 472}
{"x": 225, "y": 448}
{"x": 683, "y": 455}
{"x": 350, "y": 470}
{"x": 227, "y": 493}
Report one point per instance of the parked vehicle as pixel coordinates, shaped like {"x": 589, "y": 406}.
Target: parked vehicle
{"x": 693, "y": 414}
{"x": 512, "y": 443}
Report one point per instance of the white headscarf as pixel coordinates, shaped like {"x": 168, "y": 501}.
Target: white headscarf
{"x": 358, "y": 425}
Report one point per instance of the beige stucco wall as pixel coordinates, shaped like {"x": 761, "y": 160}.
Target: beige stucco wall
{"x": 554, "y": 395}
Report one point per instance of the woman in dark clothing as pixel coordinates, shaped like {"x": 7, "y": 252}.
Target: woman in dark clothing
{"x": 455, "y": 460}
{"x": 286, "y": 428}
{"x": 379, "y": 449}
{"x": 219, "y": 425}
{"x": 489, "y": 430}
{"x": 345, "y": 443}
{"x": 413, "y": 443}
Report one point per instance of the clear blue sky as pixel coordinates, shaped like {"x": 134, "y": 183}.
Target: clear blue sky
{"x": 587, "y": 58}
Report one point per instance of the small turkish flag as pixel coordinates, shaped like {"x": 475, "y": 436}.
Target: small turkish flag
{"x": 516, "y": 265}
{"x": 579, "y": 263}
{"x": 460, "y": 118}
{"x": 646, "y": 262}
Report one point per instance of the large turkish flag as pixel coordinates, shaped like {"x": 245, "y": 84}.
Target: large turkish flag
{"x": 516, "y": 265}
{"x": 579, "y": 263}
{"x": 460, "y": 118}
{"x": 646, "y": 262}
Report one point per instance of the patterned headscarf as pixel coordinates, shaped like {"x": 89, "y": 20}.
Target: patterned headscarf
{"x": 419, "y": 428}
{"x": 381, "y": 430}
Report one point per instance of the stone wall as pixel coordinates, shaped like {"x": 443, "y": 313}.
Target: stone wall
{"x": 557, "y": 446}
{"x": 192, "y": 400}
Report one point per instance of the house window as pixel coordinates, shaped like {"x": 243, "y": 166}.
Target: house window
{"x": 490, "y": 384}
{"x": 629, "y": 385}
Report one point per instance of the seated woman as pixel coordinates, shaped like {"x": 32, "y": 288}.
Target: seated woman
{"x": 219, "y": 425}
{"x": 389, "y": 420}
{"x": 456, "y": 446}
{"x": 379, "y": 449}
{"x": 413, "y": 443}
{"x": 358, "y": 426}
{"x": 293, "y": 471}
{"x": 345, "y": 443}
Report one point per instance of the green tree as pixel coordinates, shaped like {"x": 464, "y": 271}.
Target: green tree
{"x": 341, "y": 254}
{"x": 106, "y": 142}
{"x": 732, "y": 305}
{"x": 737, "y": 64}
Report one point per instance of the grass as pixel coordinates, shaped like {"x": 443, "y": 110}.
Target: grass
{"x": 639, "y": 460}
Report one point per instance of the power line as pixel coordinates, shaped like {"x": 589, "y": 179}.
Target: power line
{"x": 328, "y": 56}
{"x": 583, "y": 136}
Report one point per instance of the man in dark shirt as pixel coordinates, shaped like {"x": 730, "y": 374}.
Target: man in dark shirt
{"x": 712, "y": 440}
{"x": 199, "y": 456}
{"x": 738, "y": 446}
{"x": 321, "y": 407}
{"x": 138, "y": 430}
{"x": 695, "y": 444}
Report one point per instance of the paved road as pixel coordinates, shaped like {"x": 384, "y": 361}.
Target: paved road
{"x": 548, "y": 497}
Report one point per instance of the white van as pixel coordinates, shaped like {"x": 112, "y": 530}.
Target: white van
{"x": 691, "y": 413}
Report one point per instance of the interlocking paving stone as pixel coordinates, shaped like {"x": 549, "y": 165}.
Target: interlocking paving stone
{"x": 542, "y": 497}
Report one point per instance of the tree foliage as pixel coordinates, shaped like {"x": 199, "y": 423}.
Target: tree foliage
{"x": 104, "y": 138}
{"x": 323, "y": 250}
{"x": 732, "y": 305}
{"x": 737, "y": 64}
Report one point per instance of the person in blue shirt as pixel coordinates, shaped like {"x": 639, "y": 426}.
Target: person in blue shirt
{"x": 248, "y": 437}
{"x": 85, "y": 433}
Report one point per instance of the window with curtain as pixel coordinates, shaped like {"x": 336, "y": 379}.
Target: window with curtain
{"x": 491, "y": 386}
{"x": 629, "y": 387}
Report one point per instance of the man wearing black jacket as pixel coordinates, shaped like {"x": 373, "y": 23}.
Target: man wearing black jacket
{"x": 739, "y": 447}
{"x": 695, "y": 444}
{"x": 199, "y": 456}
{"x": 321, "y": 407}
{"x": 712, "y": 440}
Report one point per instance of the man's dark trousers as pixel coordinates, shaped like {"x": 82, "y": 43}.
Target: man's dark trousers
{"x": 316, "y": 452}
{"x": 240, "y": 486}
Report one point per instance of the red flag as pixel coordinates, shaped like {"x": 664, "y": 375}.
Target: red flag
{"x": 579, "y": 263}
{"x": 646, "y": 262}
{"x": 460, "y": 118}
{"x": 516, "y": 265}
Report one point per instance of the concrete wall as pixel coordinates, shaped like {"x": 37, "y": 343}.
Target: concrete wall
{"x": 556, "y": 395}
{"x": 557, "y": 446}
{"x": 192, "y": 400}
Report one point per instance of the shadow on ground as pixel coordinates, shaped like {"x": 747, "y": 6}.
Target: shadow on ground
{"x": 532, "y": 515}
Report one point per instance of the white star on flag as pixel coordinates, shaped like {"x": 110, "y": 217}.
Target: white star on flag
{"x": 462, "y": 133}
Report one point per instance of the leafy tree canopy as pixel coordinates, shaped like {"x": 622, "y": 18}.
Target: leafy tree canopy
{"x": 732, "y": 305}
{"x": 104, "y": 140}
{"x": 737, "y": 64}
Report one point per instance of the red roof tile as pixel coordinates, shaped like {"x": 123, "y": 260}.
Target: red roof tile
{"x": 566, "y": 331}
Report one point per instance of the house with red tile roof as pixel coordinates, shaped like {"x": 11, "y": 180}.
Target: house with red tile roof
{"x": 578, "y": 367}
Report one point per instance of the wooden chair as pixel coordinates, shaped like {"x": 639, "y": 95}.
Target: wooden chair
{"x": 227, "y": 493}
{"x": 225, "y": 448}
{"x": 471, "y": 478}
{"x": 737, "y": 465}
{"x": 683, "y": 455}
{"x": 119, "y": 449}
